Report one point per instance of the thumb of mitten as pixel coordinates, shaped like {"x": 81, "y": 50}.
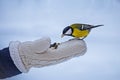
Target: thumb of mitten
{"x": 41, "y": 45}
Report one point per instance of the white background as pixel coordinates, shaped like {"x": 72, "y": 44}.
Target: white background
{"x": 25, "y": 20}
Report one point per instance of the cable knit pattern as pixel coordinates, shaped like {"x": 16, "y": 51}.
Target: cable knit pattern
{"x": 65, "y": 51}
{"x": 38, "y": 54}
{"x": 29, "y": 49}
{"x": 14, "y": 53}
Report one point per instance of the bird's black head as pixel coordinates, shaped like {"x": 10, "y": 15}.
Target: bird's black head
{"x": 67, "y": 31}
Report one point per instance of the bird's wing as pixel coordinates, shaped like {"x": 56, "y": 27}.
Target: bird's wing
{"x": 84, "y": 26}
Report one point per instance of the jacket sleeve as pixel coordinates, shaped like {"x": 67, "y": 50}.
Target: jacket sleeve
{"x": 7, "y": 66}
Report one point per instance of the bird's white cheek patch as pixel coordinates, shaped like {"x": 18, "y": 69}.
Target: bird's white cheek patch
{"x": 69, "y": 31}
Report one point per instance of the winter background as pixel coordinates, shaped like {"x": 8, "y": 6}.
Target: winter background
{"x": 27, "y": 20}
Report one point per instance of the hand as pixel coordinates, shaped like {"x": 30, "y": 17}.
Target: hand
{"x": 40, "y": 53}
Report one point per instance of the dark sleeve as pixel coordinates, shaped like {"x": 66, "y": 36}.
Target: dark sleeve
{"x": 7, "y": 67}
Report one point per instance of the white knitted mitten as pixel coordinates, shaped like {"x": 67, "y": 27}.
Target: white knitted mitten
{"x": 38, "y": 53}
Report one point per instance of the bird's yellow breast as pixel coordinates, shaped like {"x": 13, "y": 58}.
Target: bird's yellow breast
{"x": 79, "y": 33}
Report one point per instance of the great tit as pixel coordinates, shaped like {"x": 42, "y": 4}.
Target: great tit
{"x": 79, "y": 31}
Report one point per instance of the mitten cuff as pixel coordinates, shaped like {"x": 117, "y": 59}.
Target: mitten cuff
{"x": 14, "y": 53}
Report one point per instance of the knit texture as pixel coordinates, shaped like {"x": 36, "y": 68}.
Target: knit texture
{"x": 65, "y": 51}
{"x": 39, "y": 54}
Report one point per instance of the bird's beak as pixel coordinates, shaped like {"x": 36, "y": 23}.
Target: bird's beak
{"x": 62, "y": 35}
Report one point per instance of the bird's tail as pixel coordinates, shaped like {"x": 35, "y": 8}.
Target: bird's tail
{"x": 96, "y": 26}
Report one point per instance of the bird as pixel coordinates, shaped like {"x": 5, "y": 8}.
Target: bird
{"x": 78, "y": 30}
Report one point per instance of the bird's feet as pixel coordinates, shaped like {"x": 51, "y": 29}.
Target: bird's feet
{"x": 54, "y": 45}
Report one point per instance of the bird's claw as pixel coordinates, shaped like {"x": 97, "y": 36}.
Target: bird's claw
{"x": 54, "y": 45}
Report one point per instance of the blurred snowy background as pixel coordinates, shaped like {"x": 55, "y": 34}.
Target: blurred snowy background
{"x": 25, "y": 20}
